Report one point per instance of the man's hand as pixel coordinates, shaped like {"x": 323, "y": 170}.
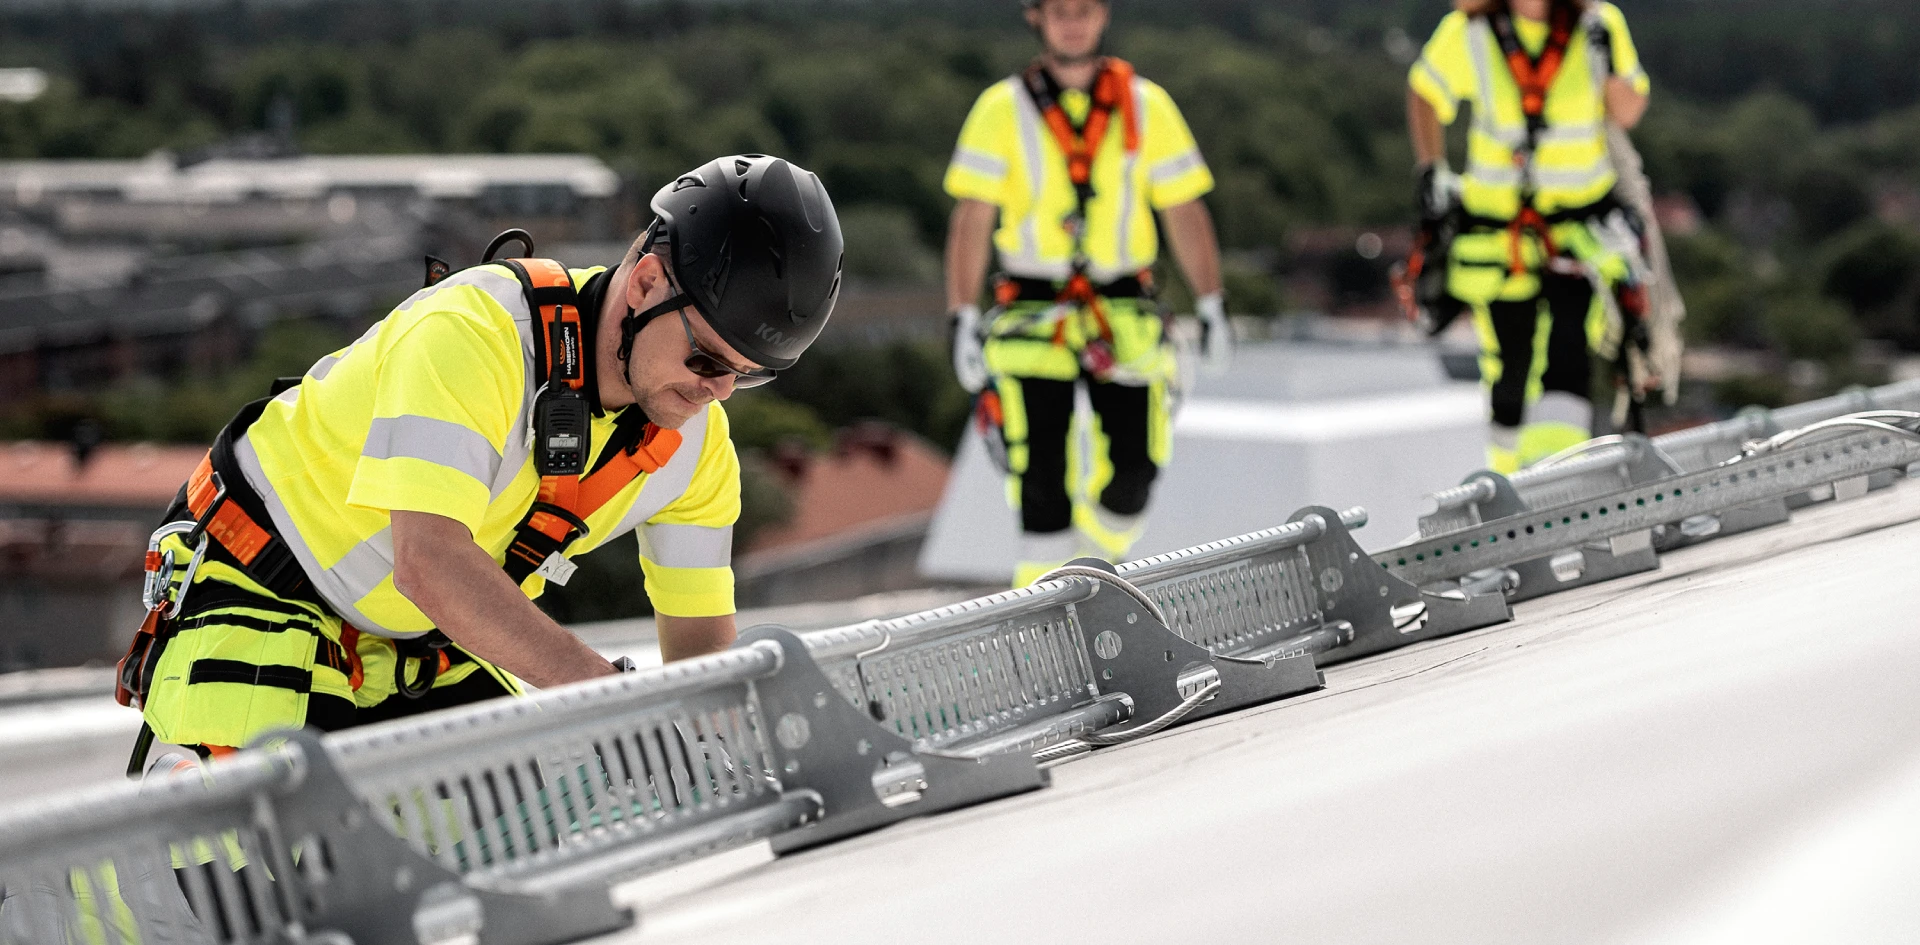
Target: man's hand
{"x": 969, "y": 348}
{"x": 1436, "y": 191}
{"x": 466, "y": 594}
{"x": 1216, "y": 333}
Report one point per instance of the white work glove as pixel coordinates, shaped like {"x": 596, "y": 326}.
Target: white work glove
{"x": 969, "y": 349}
{"x": 1436, "y": 191}
{"x": 1216, "y": 333}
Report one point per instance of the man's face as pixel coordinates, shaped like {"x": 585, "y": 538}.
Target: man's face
{"x": 1070, "y": 29}
{"x": 657, "y": 371}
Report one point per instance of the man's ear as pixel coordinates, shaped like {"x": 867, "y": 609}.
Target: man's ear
{"x": 646, "y": 281}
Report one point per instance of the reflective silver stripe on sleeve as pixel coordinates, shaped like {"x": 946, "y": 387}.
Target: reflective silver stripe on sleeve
{"x": 1438, "y": 79}
{"x": 686, "y": 546}
{"x": 1174, "y": 167}
{"x": 430, "y": 439}
{"x": 979, "y": 163}
{"x": 332, "y": 587}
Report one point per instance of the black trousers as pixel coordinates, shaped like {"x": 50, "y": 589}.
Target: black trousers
{"x": 1045, "y": 506}
{"x": 1568, "y": 370}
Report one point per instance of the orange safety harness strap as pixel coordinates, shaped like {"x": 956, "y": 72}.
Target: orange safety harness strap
{"x": 558, "y": 516}
{"x": 1535, "y": 77}
{"x": 1112, "y": 91}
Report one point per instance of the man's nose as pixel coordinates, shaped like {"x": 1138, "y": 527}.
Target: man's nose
{"x": 720, "y": 387}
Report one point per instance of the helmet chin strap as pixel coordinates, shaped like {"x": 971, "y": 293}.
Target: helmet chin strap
{"x": 631, "y": 324}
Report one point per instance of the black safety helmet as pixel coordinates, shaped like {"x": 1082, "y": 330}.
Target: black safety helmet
{"x": 755, "y": 246}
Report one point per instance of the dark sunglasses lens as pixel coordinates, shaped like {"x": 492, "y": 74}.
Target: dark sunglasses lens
{"x": 706, "y": 365}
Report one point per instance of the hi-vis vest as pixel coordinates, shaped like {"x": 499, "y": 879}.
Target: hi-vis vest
{"x": 1009, "y": 157}
{"x": 430, "y": 411}
{"x": 1570, "y": 168}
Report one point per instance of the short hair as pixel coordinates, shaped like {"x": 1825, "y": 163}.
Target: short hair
{"x": 641, "y": 244}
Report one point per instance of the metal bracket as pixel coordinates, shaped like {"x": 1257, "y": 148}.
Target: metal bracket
{"x": 359, "y": 880}
{"x": 1133, "y": 653}
{"x": 865, "y": 776}
{"x": 1384, "y": 611}
{"x": 1568, "y": 568}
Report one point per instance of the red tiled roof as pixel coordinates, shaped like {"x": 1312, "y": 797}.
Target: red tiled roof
{"x": 140, "y": 475}
{"x": 873, "y": 474}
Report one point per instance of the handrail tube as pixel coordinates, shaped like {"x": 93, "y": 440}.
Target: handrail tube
{"x": 400, "y": 741}
{"x": 979, "y": 612}
{"x": 108, "y": 812}
{"x": 1176, "y": 564}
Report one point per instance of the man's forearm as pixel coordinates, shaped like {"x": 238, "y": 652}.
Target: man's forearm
{"x": 1624, "y": 105}
{"x": 1190, "y": 232}
{"x": 969, "y": 248}
{"x": 1423, "y": 126}
{"x": 686, "y": 637}
{"x": 466, "y": 594}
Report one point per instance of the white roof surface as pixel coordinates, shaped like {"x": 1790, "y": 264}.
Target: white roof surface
{"x": 1724, "y": 750}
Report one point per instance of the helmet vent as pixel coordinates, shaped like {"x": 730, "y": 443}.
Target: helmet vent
{"x": 775, "y": 251}
{"x": 686, "y": 182}
{"x": 741, "y": 166}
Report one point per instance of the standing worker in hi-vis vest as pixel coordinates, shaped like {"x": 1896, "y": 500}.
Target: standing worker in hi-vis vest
{"x": 365, "y": 544}
{"x": 1071, "y": 158}
{"x": 1541, "y": 250}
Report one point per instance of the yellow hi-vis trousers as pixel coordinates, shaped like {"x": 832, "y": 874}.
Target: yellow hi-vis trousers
{"x": 1066, "y": 474}
{"x": 1537, "y": 328}
{"x": 240, "y": 662}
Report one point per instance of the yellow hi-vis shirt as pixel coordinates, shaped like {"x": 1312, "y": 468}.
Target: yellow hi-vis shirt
{"x": 1007, "y": 157}
{"x": 1462, "y": 62}
{"x": 430, "y": 411}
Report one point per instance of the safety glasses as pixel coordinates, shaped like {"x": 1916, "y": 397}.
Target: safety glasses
{"x": 707, "y": 364}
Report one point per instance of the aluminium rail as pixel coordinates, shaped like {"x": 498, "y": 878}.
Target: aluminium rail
{"x": 1841, "y": 456}
{"x": 502, "y": 823}
{"x": 1034, "y": 667}
{"x": 1609, "y": 464}
{"x": 505, "y": 823}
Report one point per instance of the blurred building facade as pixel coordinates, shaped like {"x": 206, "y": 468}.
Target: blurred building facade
{"x": 73, "y": 526}
{"x": 162, "y": 265}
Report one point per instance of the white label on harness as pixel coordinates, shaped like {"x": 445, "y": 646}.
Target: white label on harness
{"x": 557, "y": 569}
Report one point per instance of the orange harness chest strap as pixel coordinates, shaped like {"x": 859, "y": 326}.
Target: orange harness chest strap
{"x": 559, "y": 516}
{"x": 231, "y": 526}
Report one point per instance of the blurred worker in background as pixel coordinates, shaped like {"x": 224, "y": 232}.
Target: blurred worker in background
{"x": 1071, "y": 158}
{"x": 1542, "y": 250}
{"x": 364, "y": 545}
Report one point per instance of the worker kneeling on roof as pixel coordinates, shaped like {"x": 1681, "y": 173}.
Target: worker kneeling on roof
{"x": 1073, "y": 156}
{"x": 374, "y": 533}
{"x": 1544, "y": 247}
